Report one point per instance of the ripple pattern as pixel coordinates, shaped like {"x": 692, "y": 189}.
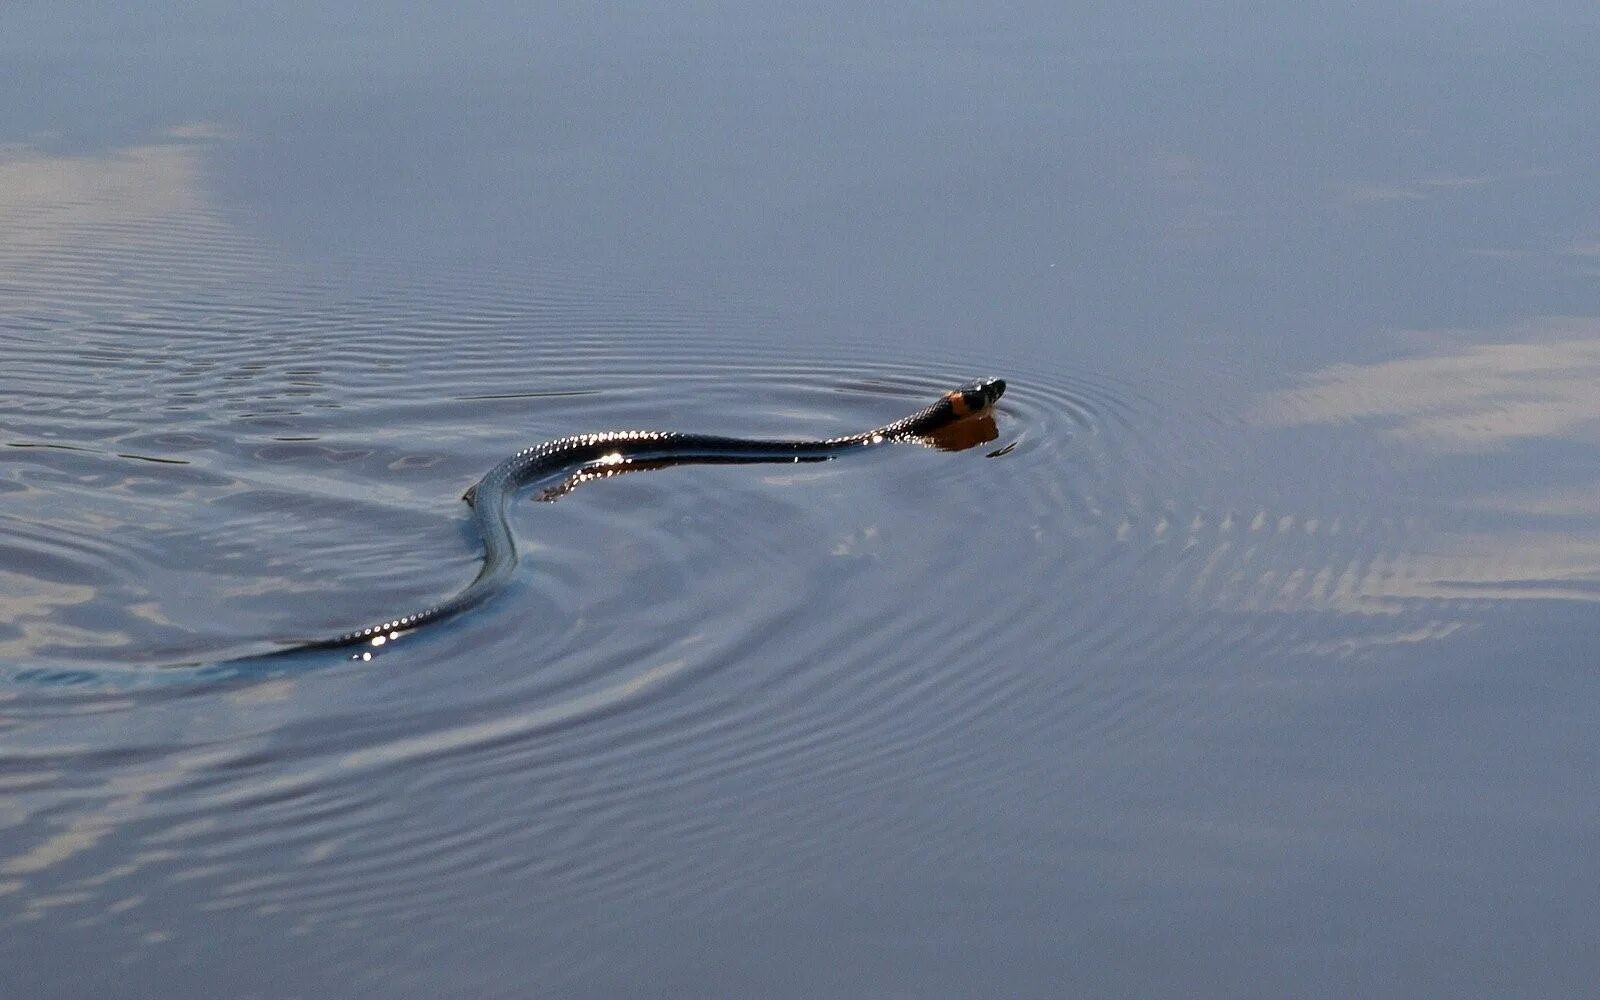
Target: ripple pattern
{"x": 697, "y": 669}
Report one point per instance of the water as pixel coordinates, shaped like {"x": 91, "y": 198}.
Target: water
{"x": 1257, "y": 663}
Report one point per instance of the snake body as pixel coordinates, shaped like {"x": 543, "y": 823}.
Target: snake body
{"x": 588, "y": 456}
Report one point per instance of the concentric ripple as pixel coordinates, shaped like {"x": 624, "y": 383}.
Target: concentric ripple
{"x": 203, "y": 453}
{"x": 673, "y": 640}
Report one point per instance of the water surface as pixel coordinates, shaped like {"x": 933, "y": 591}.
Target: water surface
{"x": 1258, "y": 663}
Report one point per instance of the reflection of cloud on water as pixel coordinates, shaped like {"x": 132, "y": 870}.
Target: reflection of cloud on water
{"x": 139, "y": 218}
{"x": 1573, "y": 255}
{"x": 120, "y": 273}
{"x": 47, "y": 201}
{"x": 1493, "y": 567}
{"x": 126, "y": 797}
{"x": 1379, "y": 569}
{"x": 1420, "y": 189}
{"x": 52, "y": 845}
{"x": 1349, "y": 645}
{"x": 31, "y": 616}
{"x": 198, "y": 130}
{"x": 1471, "y": 398}
{"x": 1581, "y": 501}
{"x": 1535, "y": 382}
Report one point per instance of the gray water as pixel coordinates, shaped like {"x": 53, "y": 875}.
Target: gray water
{"x": 1260, "y": 662}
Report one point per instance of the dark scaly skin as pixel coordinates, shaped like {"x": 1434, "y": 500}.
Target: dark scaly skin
{"x": 590, "y": 456}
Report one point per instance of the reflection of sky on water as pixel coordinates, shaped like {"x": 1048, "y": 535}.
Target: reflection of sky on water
{"x": 1341, "y": 579}
{"x": 133, "y": 183}
{"x": 93, "y": 245}
{"x": 1487, "y": 405}
{"x": 1476, "y": 397}
{"x": 115, "y": 235}
{"x": 57, "y": 214}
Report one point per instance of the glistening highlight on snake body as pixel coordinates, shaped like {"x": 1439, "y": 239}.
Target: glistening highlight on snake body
{"x": 569, "y": 461}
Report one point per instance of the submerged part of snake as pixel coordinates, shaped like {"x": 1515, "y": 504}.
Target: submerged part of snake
{"x": 569, "y": 461}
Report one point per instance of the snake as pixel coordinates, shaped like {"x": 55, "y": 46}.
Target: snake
{"x": 570, "y": 461}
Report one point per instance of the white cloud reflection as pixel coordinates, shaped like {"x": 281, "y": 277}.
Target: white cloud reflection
{"x": 115, "y": 226}
{"x": 46, "y": 199}
{"x": 1472, "y": 397}
{"x": 1474, "y": 393}
{"x": 1419, "y": 189}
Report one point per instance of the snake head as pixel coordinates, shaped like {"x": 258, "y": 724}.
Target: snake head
{"x": 975, "y": 397}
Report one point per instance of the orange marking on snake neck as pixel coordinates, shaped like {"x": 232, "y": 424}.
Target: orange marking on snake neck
{"x": 958, "y": 403}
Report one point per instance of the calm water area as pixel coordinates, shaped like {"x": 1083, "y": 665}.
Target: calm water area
{"x": 1255, "y": 655}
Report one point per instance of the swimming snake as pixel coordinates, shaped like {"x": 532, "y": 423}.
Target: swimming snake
{"x": 591, "y": 456}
